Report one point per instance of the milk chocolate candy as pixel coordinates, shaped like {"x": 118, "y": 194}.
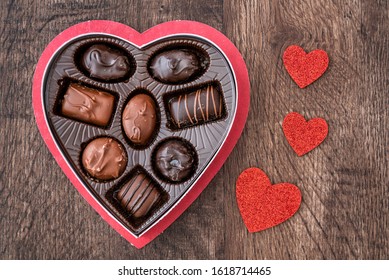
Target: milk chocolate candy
{"x": 140, "y": 119}
{"x": 88, "y": 105}
{"x": 105, "y": 63}
{"x": 197, "y": 107}
{"x": 104, "y": 158}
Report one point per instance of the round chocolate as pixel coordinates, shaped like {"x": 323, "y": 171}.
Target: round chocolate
{"x": 105, "y": 63}
{"x": 104, "y": 158}
{"x": 140, "y": 119}
{"x": 175, "y": 160}
{"x": 175, "y": 66}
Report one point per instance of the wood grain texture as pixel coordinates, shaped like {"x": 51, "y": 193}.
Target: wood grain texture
{"x": 344, "y": 182}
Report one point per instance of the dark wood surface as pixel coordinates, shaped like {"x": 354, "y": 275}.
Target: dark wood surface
{"x": 344, "y": 182}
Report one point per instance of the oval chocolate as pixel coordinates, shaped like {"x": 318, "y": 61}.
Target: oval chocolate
{"x": 176, "y": 66}
{"x": 139, "y": 119}
{"x": 106, "y": 63}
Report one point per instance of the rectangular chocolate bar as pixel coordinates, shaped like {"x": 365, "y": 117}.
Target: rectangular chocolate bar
{"x": 88, "y": 105}
{"x": 197, "y": 107}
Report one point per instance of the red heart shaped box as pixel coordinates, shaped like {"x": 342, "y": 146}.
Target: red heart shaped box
{"x": 124, "y": 32}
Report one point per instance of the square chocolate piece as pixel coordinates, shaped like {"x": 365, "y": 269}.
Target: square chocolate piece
{"x": 140, "y": 196}
{"x": 87, "y": 105}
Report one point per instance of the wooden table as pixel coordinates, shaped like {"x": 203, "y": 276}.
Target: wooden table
{"x": 344, "y": 182}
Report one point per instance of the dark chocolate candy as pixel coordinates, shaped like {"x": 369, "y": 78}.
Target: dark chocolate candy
{"x": 175, "y": 160}
{"x": 87, "y": 105}
{"x": 175, "y": 66}
{"x": 105, "y": 63}
{"x": 139, "y": 196}
{"x": 197, "y": 107}
{"x": 139, "y": 119}
{"x": 104, "y": 158}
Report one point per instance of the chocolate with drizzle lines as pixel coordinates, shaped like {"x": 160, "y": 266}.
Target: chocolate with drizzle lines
{"x": 139, "y": 196}
{"x": 196, "y": 107}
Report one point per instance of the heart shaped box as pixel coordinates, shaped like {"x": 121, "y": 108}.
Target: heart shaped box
{"x": 164, "y": 31}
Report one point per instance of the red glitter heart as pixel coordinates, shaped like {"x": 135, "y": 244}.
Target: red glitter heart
{"x": 303, "y": 136}
{"x": 305, "y": 68}
{"x": 263, "y": 205}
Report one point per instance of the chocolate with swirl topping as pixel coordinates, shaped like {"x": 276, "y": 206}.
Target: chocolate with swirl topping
{"x": 175, "y": 160}
{"x": 175, "y": 66}
{"x": 105, "y": 63}
{"x": 197, "y": 107}
{"x": 88, "y": 105}
{"x": 140, "y": 119}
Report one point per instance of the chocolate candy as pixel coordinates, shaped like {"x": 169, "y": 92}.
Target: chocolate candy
{"x": 175, "y": 160}
{"x": 175, "y": 66}
{"x": 105, "y": 63}
{"x": 139, "y": 196}
{"x": 140, "y": 119}
{"x": 104, "y": 158}
{"x": 197, "y": 107}
{"x": 88, "y": 105}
